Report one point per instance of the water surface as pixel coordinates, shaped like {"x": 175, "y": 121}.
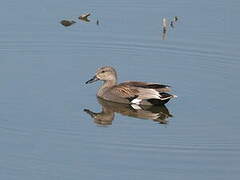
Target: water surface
{"x": 44, "y": 131}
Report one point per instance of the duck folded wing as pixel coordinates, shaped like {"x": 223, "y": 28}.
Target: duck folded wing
{"x": 124, "y": 91}
{"x": 134, "y": 94}
{"x": 157, "y": 87}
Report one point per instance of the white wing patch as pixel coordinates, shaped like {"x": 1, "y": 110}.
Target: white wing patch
{"x": 136, "y": 107}
{"x": 136, "y": 101}
{"x": 145, "y": 94}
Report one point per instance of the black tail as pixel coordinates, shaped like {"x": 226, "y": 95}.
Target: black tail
{"x": 165, "y": 97}
{"x": 158, "y": 101}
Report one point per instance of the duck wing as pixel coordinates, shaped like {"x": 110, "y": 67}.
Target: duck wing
{"x": 155, "y": 86}
{"x": 136, "y": 94}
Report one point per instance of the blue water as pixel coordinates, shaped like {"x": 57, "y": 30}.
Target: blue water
{"x": 44, "y": 131}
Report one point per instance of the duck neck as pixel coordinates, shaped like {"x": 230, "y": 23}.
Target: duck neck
{"x": 106, "y": 85}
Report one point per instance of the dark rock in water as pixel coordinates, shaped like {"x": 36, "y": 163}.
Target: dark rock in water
{"x": 84, "y": 17}
{"x": 67, "y": 23}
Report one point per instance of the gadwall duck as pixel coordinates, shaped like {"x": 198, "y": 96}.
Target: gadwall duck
{"x": 131, "y": 92}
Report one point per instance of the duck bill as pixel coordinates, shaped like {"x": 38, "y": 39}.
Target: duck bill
{"x": 94, "y": 79}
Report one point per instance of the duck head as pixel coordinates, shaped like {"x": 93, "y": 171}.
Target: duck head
{"x": 105, "y": 73}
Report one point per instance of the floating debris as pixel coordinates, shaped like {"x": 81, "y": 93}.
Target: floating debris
{"x": 97, "y": 22}
{"x": 175, "y": 19}
{"x": 84, "y": 17}
{"x": 67, "y": 22}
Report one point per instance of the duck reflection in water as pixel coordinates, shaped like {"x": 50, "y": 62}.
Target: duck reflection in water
{"x": 158, "y": 114}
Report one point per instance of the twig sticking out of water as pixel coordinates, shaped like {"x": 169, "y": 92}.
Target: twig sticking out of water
{"x": 165, "y": 25}
{"x": 165, "y": 28}
{"x": 175, "y": 19}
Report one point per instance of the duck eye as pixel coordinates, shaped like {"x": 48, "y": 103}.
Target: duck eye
{"x": 103, "y": 71}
